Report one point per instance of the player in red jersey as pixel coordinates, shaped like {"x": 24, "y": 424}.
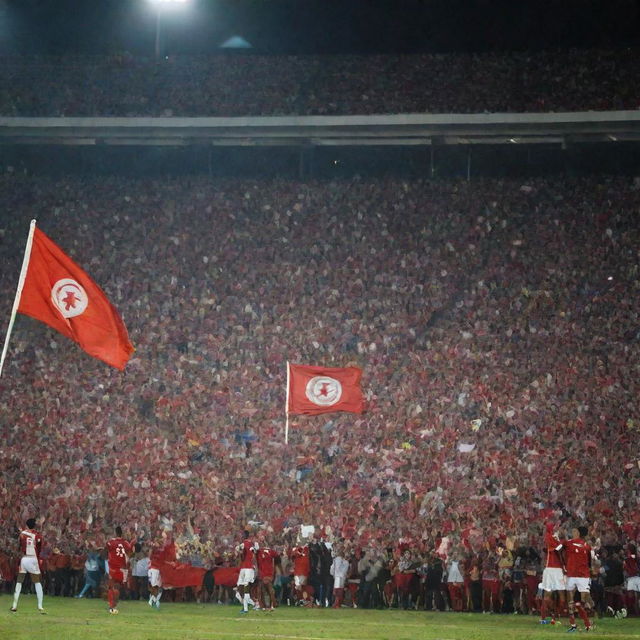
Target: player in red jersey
{"x": 553, "y": 578}
{"x": 577, "y": 558}
{"x": 247, "y": 550}
{"x": 165, "y": 551}
{"x": 30, "y": 545}
{"x": 118, "y": 550}
{"x": 301, "y": 569}
{"x": 266, "y": 558}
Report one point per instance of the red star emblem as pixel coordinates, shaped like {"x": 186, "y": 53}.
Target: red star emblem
{"x": 324, "y": 391}
{"x": 70, "y": 300}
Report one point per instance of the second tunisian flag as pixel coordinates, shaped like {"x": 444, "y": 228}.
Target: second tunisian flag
{"x": 314, "y": 390}
{"x": 59, "y": 293}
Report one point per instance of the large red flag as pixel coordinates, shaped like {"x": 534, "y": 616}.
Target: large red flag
{"x": 59, "y": 293}
{"x": 313, "y": 390}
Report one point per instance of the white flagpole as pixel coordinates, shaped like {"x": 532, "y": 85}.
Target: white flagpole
{"x": 286, "y": 423}
{"x": 16, "y": 301}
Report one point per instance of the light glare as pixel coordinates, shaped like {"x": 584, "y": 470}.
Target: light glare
{"x": 166, "y": 3}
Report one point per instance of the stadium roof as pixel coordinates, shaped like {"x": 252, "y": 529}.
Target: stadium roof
{"x": 397, "y": 130}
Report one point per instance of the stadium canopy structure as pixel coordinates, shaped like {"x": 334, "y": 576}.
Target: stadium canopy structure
{"x": 236, "y": 42}
{"x": 309, "y": 131}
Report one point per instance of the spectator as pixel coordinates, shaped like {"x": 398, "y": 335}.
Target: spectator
{"x": 491, "y": 321}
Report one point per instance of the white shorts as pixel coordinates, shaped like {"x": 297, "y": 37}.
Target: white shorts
{"x": 246, "y": 577}
{"x": 338, "y": 582}
{"x": 155, "y": 580}
{"x": 553, "y": 579}
{"x": 633, "y": 583}
{"x": 581, "y": 584}
{"x": 299, "y": 581}
{"x": 29, "y": 564}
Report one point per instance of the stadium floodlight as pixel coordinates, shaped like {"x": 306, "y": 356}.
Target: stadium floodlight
{"x": 161, "y": 6}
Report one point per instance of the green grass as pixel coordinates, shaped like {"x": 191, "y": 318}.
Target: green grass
{"x": 89, "y": 619}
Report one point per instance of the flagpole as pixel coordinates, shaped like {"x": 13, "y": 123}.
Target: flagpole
{"x": 286, "y": 409}
{"x": 16, "y": 301}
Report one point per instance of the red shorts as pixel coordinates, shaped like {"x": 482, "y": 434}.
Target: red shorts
{"x": 266, "y": 579}
{"x": 119, "y": 575}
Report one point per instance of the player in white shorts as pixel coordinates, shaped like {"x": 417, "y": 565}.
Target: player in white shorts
{"x": 30, "y": 544}
{"x": 155, "y": 580}
{"x": 163, "y": 551}
{"x": 553, "y": 579}
{"x": 247, "y": 550}
{"x": 577, "y": 555}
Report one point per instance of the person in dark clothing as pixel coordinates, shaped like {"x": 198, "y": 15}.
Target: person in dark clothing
{"x": 507, "y": 592}
{"x": 613, "y": 582}
{"x": 433, "y": 583}
{"x": 325, "y": 579}
{"x": 314, "y": 568}
{"x": 370, "y": 567}
{"x": 475, "y": 586}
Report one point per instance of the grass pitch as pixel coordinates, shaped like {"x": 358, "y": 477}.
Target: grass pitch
{"x": 70, "y": 619}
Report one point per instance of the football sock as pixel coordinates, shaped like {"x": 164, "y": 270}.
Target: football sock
{"x": 584, "y": 616}
{"x": 38, "y": 586}
{"x": 16, "y": 594}
{"x": 159, "y": 595}
{"x": 239, "y": 597}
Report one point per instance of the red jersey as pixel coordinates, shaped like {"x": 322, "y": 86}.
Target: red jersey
{"x": 30, "y": 543}
{"x": 248, "y": 550}
{"x": 631, "y": 565}
{"x": 578, "y": 556}
{"x": 301, "y": 562}
{"x": 553, "y": 557}
{"x": 266, "y": 562}
{"x": 160, "y": 555}
{"x": 118, "y": 550}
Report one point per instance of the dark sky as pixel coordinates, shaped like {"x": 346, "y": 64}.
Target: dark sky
{"x": 319, "y": 26}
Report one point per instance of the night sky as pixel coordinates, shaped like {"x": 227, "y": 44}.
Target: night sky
{"x": 319, "y": 26}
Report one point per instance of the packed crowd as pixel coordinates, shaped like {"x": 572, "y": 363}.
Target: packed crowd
{"x": 496, "y": 323}
{"x": 237, "y": 85}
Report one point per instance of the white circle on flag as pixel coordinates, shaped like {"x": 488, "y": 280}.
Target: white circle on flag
{"x": 69, "y": 297}
{"x": 324, "y": 391}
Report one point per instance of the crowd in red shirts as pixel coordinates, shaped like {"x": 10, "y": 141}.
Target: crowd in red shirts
{"x": 235, "y": 85}
{"x": 496, "y": 322}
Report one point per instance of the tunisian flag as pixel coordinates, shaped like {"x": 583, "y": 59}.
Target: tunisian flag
{"x": 59, "y": 293}
{"x": 314, "y": 390}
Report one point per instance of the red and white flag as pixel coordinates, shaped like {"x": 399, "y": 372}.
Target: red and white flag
{"x": 314, "y": 390}
{"x": 59, "y": 293}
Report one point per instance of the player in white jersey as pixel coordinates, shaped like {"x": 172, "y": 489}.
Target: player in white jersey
{"x": 30, "y": 545}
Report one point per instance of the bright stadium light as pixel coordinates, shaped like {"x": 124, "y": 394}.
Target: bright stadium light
{"x": 161, "y": 6}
